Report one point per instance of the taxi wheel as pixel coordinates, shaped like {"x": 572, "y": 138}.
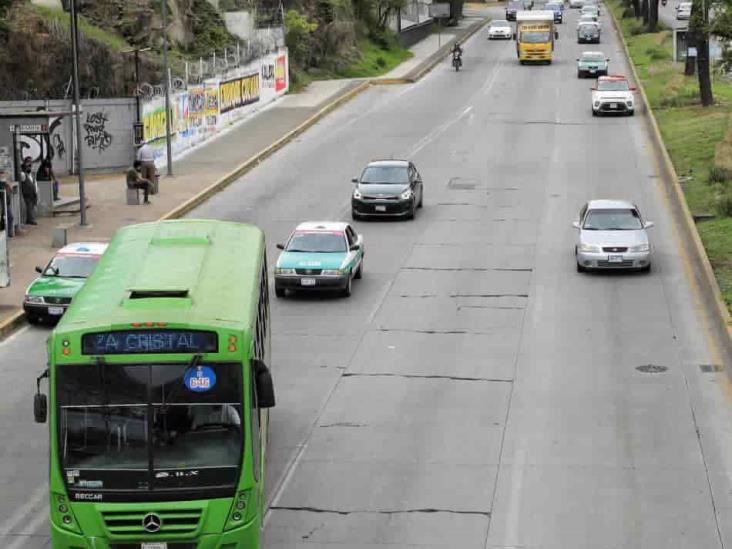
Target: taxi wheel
{"x": 346, "y": 292}
{"x": 33, "y": 319}
{"x": 279, "y": 292}
{"x": 359, "y": 272}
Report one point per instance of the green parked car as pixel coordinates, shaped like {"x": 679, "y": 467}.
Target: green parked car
{"x": 49, "y": 295}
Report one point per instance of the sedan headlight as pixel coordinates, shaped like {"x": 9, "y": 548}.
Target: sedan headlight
{"x": 332, "y": 272}
{"x": 33, "y": 299}
{"x": 629, "y": 103}
{"x": 641, "y": 248}
{"x": 279, "y": 271}
{"x": 589, "y": 248}
{"x": 357, "y": 194}
{"x": 597, "y": 103}
{"x": 406, "y": 195}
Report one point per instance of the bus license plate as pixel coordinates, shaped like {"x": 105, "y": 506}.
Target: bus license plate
{"x": 56, "y": 311}
{"x": 380, "y": 208}
{"x": 615, "y": 259}
{"x": 154, "y": 545}
{"x": 307, "y": 282}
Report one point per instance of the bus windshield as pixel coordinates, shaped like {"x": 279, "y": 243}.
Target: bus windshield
{"x": 150, "y": 427}
{"x": 535, "y": 37}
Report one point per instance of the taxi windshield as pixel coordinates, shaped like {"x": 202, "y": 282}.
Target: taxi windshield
{"x": 535, "y": 37}
{"x": 593, "y": 57}
{"x": 317, "y": 242}
{"x": 72, "y": 266}
{"x": 613, "y": 85}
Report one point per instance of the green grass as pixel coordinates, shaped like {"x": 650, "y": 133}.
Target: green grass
{"x": 690, "y": 132}
{"x": 85, "y": 27}
{"x": 376, "y": 59}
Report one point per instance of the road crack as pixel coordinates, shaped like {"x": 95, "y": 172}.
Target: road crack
{"x": 428, "y": 376}
{"x": 428, "y": 510}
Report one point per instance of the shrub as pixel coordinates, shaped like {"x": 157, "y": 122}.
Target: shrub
{"x": 299, "y": 36}
{"x": 723, "y": 203}
{"x": 380, "y": 61}
{"x": 718, "y": 175}
{"x": 657, "y": 53}
{"x": 628, "y": 13}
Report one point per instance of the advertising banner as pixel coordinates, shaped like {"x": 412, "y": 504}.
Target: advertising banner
{"x": 238, "y": 92}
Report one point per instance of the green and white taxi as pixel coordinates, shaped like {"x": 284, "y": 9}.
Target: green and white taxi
{"x": 49, "y": 295}
{"x": 319, "y": 255}
{"x": 592, "y": 63}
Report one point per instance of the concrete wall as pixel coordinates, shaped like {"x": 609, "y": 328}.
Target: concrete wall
{"x": 106, "y": 133}
{"x": 411, "y": 35}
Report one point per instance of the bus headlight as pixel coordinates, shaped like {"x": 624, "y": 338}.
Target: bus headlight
{"x": 241, "y": 511}
{"x": 61, "y": 514}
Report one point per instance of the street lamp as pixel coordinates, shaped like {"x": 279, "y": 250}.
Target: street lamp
{"x": 77, "y": 108}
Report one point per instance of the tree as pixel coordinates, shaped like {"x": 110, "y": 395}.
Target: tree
{"x": 644, "y": 11}
{"x": 698, "y": 34}
{"x": 653, "y": 16}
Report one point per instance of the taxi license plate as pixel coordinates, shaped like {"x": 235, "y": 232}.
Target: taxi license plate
{"x": 380, "y": 208}
{"x": 154, "y": 545}
{"x": 613, "y": 105}
{"x": 615, "y": 259}
{"x": 307, "y": 282}
{"x": 593, "y": 71}
{"x": 56, "y": 311}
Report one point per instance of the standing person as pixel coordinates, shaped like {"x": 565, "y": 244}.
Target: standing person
{"x": 135, "y": 181}
{"x": 29, "y": 189}
{"x": 45, "y": 173}
{"x": 146, "y": 157}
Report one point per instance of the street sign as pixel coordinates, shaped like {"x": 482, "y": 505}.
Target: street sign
{"x": 691, "y": 51}
{"x": 440, "y": 10}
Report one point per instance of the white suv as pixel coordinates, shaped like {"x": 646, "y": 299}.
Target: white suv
{"x": 613, "y": 94}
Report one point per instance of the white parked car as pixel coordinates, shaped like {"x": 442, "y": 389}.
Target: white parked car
{"x": 613, "y": 94}
{"x": 500, "y": 29}
{"x": 576, "y": 4}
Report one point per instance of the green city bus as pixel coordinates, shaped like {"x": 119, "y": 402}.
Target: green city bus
{"x": 159, "y": 393}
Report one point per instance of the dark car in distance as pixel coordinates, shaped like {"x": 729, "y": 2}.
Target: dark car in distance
{"x": 387, "y": 188}
{"x": 512, "y": 8}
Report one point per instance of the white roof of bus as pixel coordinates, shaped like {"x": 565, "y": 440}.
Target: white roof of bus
{"x": 539, "y": 15}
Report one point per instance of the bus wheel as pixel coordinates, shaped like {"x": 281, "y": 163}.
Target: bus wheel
{"x": 279, "y": 292}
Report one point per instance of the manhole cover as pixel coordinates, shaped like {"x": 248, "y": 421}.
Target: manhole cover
{"x": 462, "y": 184}
{"x": 710, "y": 368}
{"x": 651, "y": 369}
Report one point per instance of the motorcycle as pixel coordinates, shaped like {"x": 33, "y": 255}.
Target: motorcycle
{"x": 457, "y": 60}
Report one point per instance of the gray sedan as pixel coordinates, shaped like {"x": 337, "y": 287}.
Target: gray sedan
{"x": 612, "y": 235}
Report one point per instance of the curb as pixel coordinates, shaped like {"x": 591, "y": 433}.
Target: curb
{"x": 706, "y": 282}
{"x": 18, "y": 318}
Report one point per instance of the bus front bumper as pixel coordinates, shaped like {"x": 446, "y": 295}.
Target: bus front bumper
{"x": 246, "y": 537}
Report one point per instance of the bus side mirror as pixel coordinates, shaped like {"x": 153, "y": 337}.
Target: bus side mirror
{"x": 40, "y": 401}
{"x": 40, "y": 407}
{"x": 264, "y": 384}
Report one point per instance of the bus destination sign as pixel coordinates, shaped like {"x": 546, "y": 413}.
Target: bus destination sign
{"x": 130, "y": 342}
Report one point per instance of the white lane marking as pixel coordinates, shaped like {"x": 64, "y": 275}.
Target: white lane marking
{"x": 513, "y": 517}
{"x": 437, "y": 132}
{"x": 23, "y": 511}
{"x": 14, "y": 335}
{"x": 20, "y": 540}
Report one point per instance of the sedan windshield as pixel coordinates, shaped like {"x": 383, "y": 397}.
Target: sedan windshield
{"x": 592, "y": 57}
{"x": 385, "y": 174}
{"x": 147, "y": 427}
{"x": 316, "y": 242}
{"x": 72, "y": 266}
{"x": 499, "y": 24}
{"x": 535, "y": 37}
{"x": 613, "y": 85}
{"x": 612, "y": 220}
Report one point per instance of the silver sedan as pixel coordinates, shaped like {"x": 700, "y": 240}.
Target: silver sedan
{"x": 612, "y": 235}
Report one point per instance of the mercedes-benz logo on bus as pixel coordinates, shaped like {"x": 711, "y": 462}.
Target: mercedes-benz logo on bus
{"x": 152, "y": 523}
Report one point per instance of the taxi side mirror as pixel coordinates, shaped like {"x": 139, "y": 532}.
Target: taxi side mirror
{"x": 593, "y": 89}
{"x": 648, "y": 224}
{"x": 39, "y": 270}
{"x": 263, "y": 384}
{"x": 280, "y": 246}
{"x": 354, "y": 180}
{"x": 556, "y": 35}
{"x": 355, "y": 247}
{"x": 633, "y": 89}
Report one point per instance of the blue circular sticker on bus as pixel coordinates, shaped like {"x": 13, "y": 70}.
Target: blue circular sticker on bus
{"x": 200, "y": 379}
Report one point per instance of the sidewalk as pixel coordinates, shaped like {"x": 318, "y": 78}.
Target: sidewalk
{"x": 196, "y": 170}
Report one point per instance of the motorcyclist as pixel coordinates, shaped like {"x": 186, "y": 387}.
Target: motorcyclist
{"x": 457, "y": 53}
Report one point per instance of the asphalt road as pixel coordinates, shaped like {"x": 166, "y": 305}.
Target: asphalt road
{"x": 474, "y": 391}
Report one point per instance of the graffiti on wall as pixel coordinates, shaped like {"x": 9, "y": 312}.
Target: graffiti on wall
{"x": 238, "y": 92}
{"x": 212, "y": 107}
{"x": 96, "y": 135}
{"x": 268, "y": 75}
{"x": 48, "y": 143}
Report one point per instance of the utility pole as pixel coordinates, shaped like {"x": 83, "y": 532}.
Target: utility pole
{"x": 166, "y": 76}
{"x": 77, "y": 108}
{"x": 137, "y": 51}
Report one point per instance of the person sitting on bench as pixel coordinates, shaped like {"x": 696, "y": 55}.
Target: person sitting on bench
{"x": 136, "y": 181}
